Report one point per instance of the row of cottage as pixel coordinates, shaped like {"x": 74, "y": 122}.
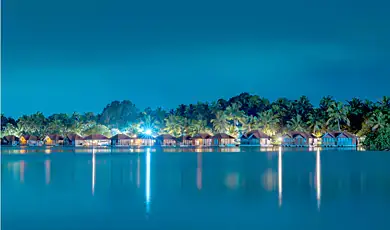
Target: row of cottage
{"x": 253, "y": 138}
{"x": 201, "y": 139}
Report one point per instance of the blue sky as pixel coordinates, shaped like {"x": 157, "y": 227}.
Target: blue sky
{"x": 65, "y": 56}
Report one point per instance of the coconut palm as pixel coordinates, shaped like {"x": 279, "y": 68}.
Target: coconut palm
{"x": 268, "y": 122}
{"x": 378, "y": 120}
{"x": 220, "y": 124}
{"x": 337, "y": 114}
{"x": 296, "y": 124}
{"x": 316, "y": 122}
{"x": 250, "y": 123}
{"x": 198, "y": 126}
{"x": 235, "y": 114}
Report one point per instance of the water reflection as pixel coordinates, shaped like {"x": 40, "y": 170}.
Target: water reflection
{"x": 47, "y": 171}
{"x": 318, "y": 177}
{"x": 147, "y": 192}
{"x": 93, "y": 172}
{"x": 280, "y": 176}
{"x": 199, "y": 171}
{"x": 183, "y": 175}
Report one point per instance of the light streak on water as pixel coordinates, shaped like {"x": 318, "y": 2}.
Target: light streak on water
{"x": 280, "y": 182}
{"x": 147, "y": 189}
{"x": 93, "y": 171}
{"x": 318, "y": 177}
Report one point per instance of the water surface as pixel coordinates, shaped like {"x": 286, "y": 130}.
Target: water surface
{"x": 204, "y": 189}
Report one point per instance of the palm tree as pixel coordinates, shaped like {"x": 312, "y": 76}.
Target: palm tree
{"x": 250, "y": 123}
{"x": 220, "y": 123}
{"x": 268, "y": 121}
{"x": 377, "y": 120}
{"x": 337, "y": 113}
{"x": 296, "y": 124}
{"x": 234, "y": 113}
{"x": 198, "y": 126}
{"x": 384, "y": 103}
{"x": 172, "y": 125}
{"x": 315, "y": 122}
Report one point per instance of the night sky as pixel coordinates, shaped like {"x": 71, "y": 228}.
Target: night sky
{"x": 78, "y": 55}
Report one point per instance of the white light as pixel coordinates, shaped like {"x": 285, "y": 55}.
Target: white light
{"x": 93, "y": 171}
{"x": 280, "y": 139}
{"x": 148, "y": 132}
{"x": 147, "y": 189}
{"x": 280, "y": 183}
{"x": 318, "y": 178}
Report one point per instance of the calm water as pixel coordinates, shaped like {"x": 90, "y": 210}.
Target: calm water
{"x": 170, "y": 190}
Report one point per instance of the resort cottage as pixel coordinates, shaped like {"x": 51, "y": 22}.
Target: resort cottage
{"x": 256, "y": 138}
{"x": 143, "y": 140}
{"x": 73, "y": 139}
{"x": 185, "y": 140}
{"x": 10, "y": 140}
{"x": 166, "y": 140}
{"x": 299, "y": 139}
{"x": 53, "y": 140}
{"x": 97, "y": 140}
{"x": 29, "y": 140}
{"x": 121, "y": 140}
{"x": 339, "y": 139}
{"x": 222, "y": 139}
{"x": 202, "y": 139}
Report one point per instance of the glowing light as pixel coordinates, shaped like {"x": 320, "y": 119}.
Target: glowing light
{"x": 148, "y": 132}
{"x": 93, "y": 171}
{"x": 199, "y": 172}
{"x": 280, "y": 139}
{"x": 318, "y": 178}
{"x": 147, "y": 189}
{"x": 47, "y": 171}
{"x": 280, "y": 182}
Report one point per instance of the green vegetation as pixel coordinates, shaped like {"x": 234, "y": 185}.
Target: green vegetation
{"x": 238, "y": 115}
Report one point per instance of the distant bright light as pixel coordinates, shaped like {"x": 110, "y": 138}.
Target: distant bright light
{"x": 280, "y": 139}
{"x": 148, "y": 132}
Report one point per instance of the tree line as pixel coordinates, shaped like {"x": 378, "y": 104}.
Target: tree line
{"x": 236, "y": 116}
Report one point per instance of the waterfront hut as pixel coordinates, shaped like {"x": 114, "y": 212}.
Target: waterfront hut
{"x": 53, "y": 140}
{"x": 222, "y": 139}
{"x": 97, "y": 140}
{"x": 10, "y": 140}
{"x": 339, "y": 139}
{"x": 121, "y": 140}
{"x": 144, "y": 140}
{"x": 298, "y": 139}
{"x": 202, "y": 139}
{"x": 165, "y": 140}
{"x": 29, "y": 140}
{"x": 73, "y": 139}
{"x": 328, "y": 140}
{"x": 256, "y": 138}
{"x": 184, "y": 140}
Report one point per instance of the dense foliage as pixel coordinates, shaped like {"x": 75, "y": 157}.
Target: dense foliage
{"x": 235, "y": 116}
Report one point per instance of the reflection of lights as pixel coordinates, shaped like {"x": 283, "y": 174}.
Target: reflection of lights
{"x": 47, "y": 151}
{"x": 47, "y": 171}
{"x": 199, "y": 172}
{"x": 147, "y": 192}
{"x": 21, "y": 171}
{"x": 269, "y": 179}
{"x": 93, "y": 171}
{"x": 232, "y": 180}
{"x": 318, "y": 178}
{"x": 280, "y": 182}
{"x": 138, "y": 171}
